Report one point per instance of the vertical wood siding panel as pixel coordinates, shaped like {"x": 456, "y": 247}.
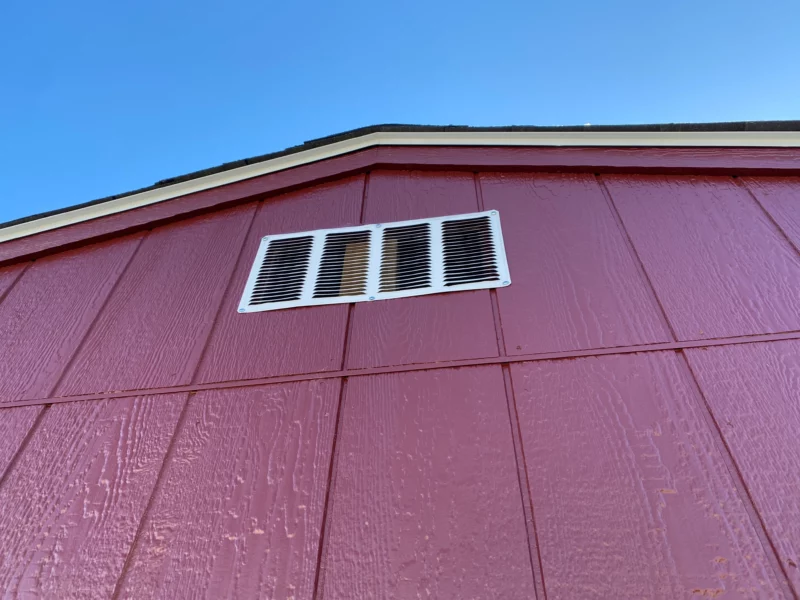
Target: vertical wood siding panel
{"x": 449, "y": 326}
{"x": 753, "y": 392}
{"x": 631, "y": 495}
{"x": 426, "y": 499}
{"x": 719, "y": 266}
{"x": 284, "y": 342}
{"x": 72, "y": 503}
{"x": 156, "y": 323}
{"x": 576, "y": 284}
{"x": 780, "y": 197}
{"x": 47, "y": 313}
{"x": 8, "y": 275}
{"x": 14, "y": 426}
{"x": 240, "y": 510}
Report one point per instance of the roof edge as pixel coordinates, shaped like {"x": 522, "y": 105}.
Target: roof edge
{"x": 785, "y": 134}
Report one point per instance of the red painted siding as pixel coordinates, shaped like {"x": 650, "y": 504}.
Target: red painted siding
{"x": 423, "y": 506}
{"x": 15, "y": 423}
{"x": 240, "y": 511}
{"x": 154, "y": 327}
{"x": 339, "y": 451}
{"x": 753, "y": 392}
{"x": 718, "y": 265}
{"x": 299, "y": 341}
{"x": 631, "y": 492}
{"x": 47, "y": 313}
{"x": 576, "y": 282}
{"x": 73, "y": 501}
{"x": 778, "y": 196}
{"x": 9, "y": 275}
{"x": 425, "y": 328}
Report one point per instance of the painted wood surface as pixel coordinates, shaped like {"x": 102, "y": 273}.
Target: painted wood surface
{"x": 718, "y": 264}
{"x": 734, "y": 161}
{"x": 73, "y": 501}
{"x": 161, "y": 213}
{"x": 576, "y": 283}
{"x": 632, "y": 495}
{"x": 240, "y": 509}
{"x": 48, "y": 312}
{"x": 8, "y": 276}
{"x": 425, "y": 328}
{"x": 753, "y": 392}
{"x": 305, "y": 340}
{"x": 156, "y": 323}
{"x": 426, "y": 500}
{"x": 15, "y": 423}
{"x": 779, "y": 197}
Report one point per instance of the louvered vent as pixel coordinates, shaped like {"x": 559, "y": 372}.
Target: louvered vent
{"x": 343, "y": 270}
{"x": 377, "y": 262}
{"x": 406, "y": 258}
{"x": 283, "y": 271}
{"x": 469, "y": 253}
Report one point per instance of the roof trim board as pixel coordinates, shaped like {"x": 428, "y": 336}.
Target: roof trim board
{"x": 598, "y": 139}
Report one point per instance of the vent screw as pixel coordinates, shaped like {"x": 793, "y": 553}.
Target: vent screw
{"x": 506, "y": 282}
{"x": 377, "y": 224}
{"x": 372, "y": 297}
{"x": 241, "y": 310}
{"x": 494, "y": 212}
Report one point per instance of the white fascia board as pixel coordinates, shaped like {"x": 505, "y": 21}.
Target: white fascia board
{"x": 715, "y": 139}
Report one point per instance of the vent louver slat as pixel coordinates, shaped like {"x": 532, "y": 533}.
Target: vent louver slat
{"x": 282, "y": 271}
{"x": 406, "y": 258}
{"x": 377, "y": 262}
{"x": 469, "y": 252}
{"x": 343, "y": 268}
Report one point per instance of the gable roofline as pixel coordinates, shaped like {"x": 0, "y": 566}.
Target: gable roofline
{"x": 744, "y": 134}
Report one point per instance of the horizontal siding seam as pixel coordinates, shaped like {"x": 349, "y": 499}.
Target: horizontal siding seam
{"x": 453, "y": 364}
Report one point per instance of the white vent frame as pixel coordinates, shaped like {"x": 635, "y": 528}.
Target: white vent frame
{"x": 374, "y": 264}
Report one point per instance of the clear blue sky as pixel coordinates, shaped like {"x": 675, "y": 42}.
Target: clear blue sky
{"x": 104, "y": 97}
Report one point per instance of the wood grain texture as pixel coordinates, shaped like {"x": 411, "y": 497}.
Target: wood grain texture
{"x": 576, "y": 283}
{"x": 156, "y": 323}
{"x": 73, "y": 501}
{"x": 49, "y": 310}
{"x": 632, "y": 497}
{"x": 303, "y": 340}
{"x": 9, "y": 275}
{"x": 779, "y": 197}
{"x": 15, "y": 423}
{"x": 426, "y": 500}
{"x": 753, "y": 392}
{"x": 718, "y": 265}
{"x": 425, "y": 328}
{"x": 240, "y": 510}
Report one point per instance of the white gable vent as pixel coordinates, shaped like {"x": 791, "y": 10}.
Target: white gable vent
{"x": 377, "y": 262}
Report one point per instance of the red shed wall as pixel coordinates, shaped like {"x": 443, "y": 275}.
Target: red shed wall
{"x": 618, "y": 423}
